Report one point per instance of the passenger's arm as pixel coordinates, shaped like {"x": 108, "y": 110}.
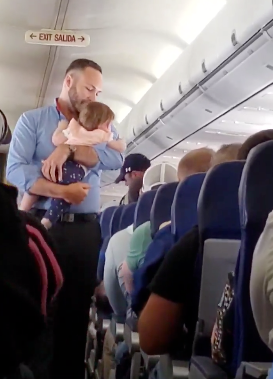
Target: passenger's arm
{"x": 158, "y": 325}
{"x": 111, "y": 283}
{"x": 171, "y": 289}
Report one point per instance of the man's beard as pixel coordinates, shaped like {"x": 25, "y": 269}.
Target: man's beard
{"x": 75, "y": 103}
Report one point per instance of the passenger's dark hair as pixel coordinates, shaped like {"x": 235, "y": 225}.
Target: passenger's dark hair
{"x": 253, "y": 141}
{"x": 81, "y": 64}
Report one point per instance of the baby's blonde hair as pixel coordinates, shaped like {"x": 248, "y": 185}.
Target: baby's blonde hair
{"x": 94, "y": 114}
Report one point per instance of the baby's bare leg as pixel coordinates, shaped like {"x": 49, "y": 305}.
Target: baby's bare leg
{"x": 27, "y": 202}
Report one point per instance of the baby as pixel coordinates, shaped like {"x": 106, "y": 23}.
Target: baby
{"x": 93, "y": 127}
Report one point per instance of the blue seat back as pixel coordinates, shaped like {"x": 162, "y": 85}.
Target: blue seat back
{"x": 220, "y": 234}
{"x": 161, "y": 208}
{"x": 143, "y": 208}
{"x": 255, "y": 202}
{"x": 127, "y": 216}
{"x": 218, "y": 205}
{"x": 184, "y": 207}
{"x": 115, "y": 220}
{"x": 105, "y": 221}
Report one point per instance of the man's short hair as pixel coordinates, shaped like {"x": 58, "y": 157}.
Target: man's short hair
{"x": 81, "y": 64}
{"x": 226, "y": 153}
{"x": 196, "y": 161}
{"x": 253, "y": 141}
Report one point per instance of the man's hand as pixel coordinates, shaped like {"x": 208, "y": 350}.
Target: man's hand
{"x": 75, "y": 193}
{"x": 52, "y": 166}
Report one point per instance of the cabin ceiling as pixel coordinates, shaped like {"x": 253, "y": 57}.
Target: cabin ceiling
{"x": 134, "y": 41}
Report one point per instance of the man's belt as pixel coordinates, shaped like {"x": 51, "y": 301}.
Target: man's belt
{"x": 68, "y": 217}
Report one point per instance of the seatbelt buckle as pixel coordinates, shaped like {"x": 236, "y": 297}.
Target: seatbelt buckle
{"x": 68, "y": 217}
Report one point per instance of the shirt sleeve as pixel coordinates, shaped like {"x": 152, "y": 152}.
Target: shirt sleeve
{"x": 141, "y": 239}
{"x": 109, "y": 159}
{"x": 21, "y": 172}
{"x": 174, "y": 279}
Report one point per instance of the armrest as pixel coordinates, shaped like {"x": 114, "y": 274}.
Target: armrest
{"x": 117, "y": 328}
{"x": 173, "y": 369}
{"x": 255, "y": 370}
{"x": 131, "y": 339}
{"x": 204, "y": 368}
{"x": 150, "y": 361}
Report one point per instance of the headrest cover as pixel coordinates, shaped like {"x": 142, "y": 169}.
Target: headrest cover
{"x": 127, "y": 216}
{"x": 161, "y": 209}
{"x": 105, "y": 220}
{"x": 218, "y": 205}
{"x": 184, "y": 208}
{"x": 157, "y": 175}
{"x": 143, "y": 208}
{"x": 115, "y": 220}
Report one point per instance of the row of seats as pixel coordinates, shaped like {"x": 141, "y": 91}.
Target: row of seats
{"x": 229, "y": 230}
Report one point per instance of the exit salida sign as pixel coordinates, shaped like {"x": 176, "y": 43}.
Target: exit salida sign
{"x": 57, "y": 38}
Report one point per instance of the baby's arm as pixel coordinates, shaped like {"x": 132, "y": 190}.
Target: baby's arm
{"x": 58, "y": 137}
{"x": 118, "y": 145}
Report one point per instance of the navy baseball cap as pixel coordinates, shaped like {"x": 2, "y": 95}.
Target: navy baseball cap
{"x": 133, "y": 162}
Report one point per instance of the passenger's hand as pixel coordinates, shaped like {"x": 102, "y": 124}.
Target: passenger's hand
{"x": 52, "y": 166}
{"x": 75, "y": 193}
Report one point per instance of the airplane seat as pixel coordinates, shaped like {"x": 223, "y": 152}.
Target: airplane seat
{"x": 105, "y": 221}
{"x": 161, "y": 208}
{"x": 184, "y": 207}
{"x": 220, "y": 235}
{"x": 127, "y": 216}
{"x": 115, "y": 220}
{"x": 255, "y": 202}
{"x": 143, "y": 208}
{"x": 183, "y": 218}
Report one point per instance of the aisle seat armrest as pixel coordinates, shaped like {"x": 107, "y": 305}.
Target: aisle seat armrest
{"x": 204, "y": 368}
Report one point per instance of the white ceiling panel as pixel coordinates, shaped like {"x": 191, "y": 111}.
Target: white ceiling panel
{"x": 22, "y": 66}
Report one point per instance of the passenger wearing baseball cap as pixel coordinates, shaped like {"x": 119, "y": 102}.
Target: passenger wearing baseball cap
{"x": 134, "y": 166}
{"x": 131, "y": 173}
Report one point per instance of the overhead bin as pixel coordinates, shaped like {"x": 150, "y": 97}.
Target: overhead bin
{"x": 238, "y": 21}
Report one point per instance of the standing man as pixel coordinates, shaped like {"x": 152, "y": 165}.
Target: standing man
{"x": 77, "y": 235}
{"x": 133, "y": 169}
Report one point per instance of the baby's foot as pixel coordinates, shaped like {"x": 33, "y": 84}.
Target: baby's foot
{"x": 47, "y": 224}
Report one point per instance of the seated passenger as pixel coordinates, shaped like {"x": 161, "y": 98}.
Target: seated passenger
{"x": 30, "y": 279}
{"x": 134, "y": 167}
{"x": 118, "y": 248}
{"x": 93, "y": 127}
{"x": 194, "y": 162}
{"x": 172, "y": 290}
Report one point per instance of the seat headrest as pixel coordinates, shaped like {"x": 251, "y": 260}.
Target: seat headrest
{"x": 256, "y": 189}
{"x": 161, "y": 208}
{"x": 159, "y": 174}
{"x": 218, "y": 204}
{"x": 255, "y": 203}
{"x": 184, "y": 207}
{"x": 115, "y": 220}
{"x": 105, "y": 220}
{"x": 127, "y": 216}
{"x": 143, "y": 208}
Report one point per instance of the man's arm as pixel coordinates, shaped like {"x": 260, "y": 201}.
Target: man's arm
{"x": 20, "y": 170}
{"x": 101, "y": 155}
